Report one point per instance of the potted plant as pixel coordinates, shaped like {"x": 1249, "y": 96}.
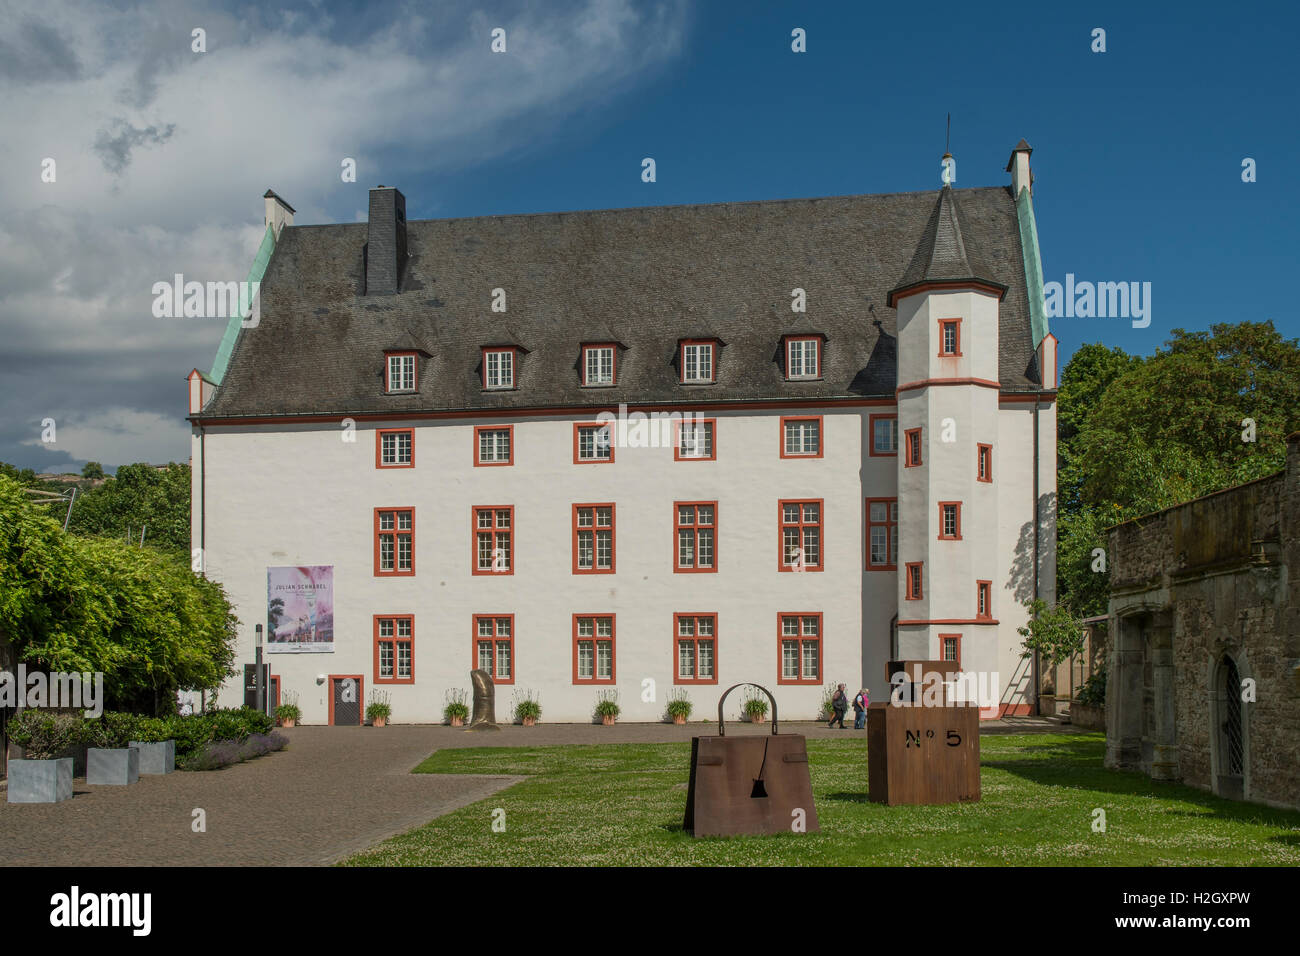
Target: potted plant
{"x": 527, "y": 709}
{"x": 42, "y": 774}
{"x": 378, "y": 710}
{"x": 456, "y": 711}
{"x": 679, "y": 706}
{"x": 288, "y": 713}
{"x": 607, "y": 708}
{"x": 755, "y": 707}
{"x": 828, "y": 695}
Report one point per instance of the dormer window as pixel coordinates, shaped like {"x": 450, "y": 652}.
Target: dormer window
{"x": 698, "y": 362}
{"x": 949, "y": 338}
{"x": 498, "y": 368}
{"x": 803, "y": 357}
{"x": 598, "y": 365}
{"x": 401, "y": 372}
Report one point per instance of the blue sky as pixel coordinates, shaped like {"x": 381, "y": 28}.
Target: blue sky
{"x": 164, "y": 153}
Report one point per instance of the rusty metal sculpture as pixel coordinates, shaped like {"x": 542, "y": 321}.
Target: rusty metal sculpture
{"x": 485, "y": 708}
{"x": 749, "y": 784}
{"x": 923, "y": 746}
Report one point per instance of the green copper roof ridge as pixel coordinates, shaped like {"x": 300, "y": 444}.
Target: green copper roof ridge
{"x": 255, "y": 273}
{"x": 1033, "y": 265}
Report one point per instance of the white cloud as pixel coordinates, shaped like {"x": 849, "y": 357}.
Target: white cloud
{"x": 162, "y": 155}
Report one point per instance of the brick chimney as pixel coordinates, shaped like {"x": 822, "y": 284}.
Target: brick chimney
{"x": 385, "y": 241}
{"x": 278, "y": 212}
{"x": 1018, "y": 166}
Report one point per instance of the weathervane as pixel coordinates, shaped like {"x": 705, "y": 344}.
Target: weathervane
{"x": 948, "y": 164}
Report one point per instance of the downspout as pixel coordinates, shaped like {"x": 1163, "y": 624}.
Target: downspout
{"x": 203, "y": 501}
{"x": 1037, "y": 533}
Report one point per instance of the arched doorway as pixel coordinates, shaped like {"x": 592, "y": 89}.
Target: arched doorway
{"x": 1228, "y": 735}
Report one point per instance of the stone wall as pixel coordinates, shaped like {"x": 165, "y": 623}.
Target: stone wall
{"x": 1216, "y": 576}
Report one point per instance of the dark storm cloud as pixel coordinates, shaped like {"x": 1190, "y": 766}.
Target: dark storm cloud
{"x": 38, "y": 54}
{"x": 114, "y": 149}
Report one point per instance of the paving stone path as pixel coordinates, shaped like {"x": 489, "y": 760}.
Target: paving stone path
{"x": 334, "y": 792}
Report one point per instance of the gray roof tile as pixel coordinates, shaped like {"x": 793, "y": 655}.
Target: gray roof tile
{"x": 643, "y": 277}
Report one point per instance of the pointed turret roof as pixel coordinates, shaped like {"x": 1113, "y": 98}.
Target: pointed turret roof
{"x": 944, "y": 254}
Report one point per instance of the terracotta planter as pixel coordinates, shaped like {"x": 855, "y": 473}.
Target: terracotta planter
{"x": 607, "y": 720}
{"x": 757, "y": 718}
{"x": 380, "y": 721}
{"x": 532, "y": 721}
{"x": 456, "y": 721}
{"x": 288, "y": 722}
{"x": 679, "y": 719}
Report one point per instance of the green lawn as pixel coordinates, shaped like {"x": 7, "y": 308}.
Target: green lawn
{"x": 622, "y": 805}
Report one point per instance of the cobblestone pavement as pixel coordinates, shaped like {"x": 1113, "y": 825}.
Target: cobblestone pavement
{"x": 335, "y": 791}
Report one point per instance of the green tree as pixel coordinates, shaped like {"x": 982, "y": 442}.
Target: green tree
{"x": 1138, "y": 435}
{"x": 140, "y": 496}
{"x": 137, "y": 615}
{"x": 92, "y": 469}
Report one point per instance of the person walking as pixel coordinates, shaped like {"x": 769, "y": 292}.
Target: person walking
{"x": 839, "y": 707}
{"x": 860, "y": 705}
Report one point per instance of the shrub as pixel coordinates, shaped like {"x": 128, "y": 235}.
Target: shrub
{"x": 1093, "y": 690}
{"x": 224, "y": 753}
{"x": 828, "y": 696}
{"x": 44, "y": 735}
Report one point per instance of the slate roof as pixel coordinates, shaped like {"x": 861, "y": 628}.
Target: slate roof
{"x": 644, "y": 278}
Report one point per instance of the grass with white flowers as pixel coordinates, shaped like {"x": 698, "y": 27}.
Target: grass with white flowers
{"x": 613, "y": 805}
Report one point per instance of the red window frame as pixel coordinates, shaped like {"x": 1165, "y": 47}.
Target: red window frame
{"x": 577, "y": 459}
{"x": 920, "y": 581}
{"x": 911, "y": 458}
{"x": 789, "y": 340}
{"x": 478, "y": 448}
{"x": 713, "y": 361}
{"x": 695, "y": 640}
{"x": 943, "y": 640}
{"x": 782, "y": 525}
{"x": 388, "y": 372}
{"x": 694, "y": 526}
{"x": 593, "y": 528}
{"x": 890, "y": 524}
{"x": 984, "y": 462}
{"x": 514, "y": 368}
{"x": 379, "y": 447}
{"x": 495, "y": 639}
{"x": 395, "y": 640}
{"x": 613, "y": 366}
{"x": 397, "y": 533}
{"x": 821, "y": 436}
{"x": 800, "y": 639}
{"x": 956, "y": 505}
{"x": 871, "y": 437}
{"x": 595, "y": 656}
{"x": 956, "y": 324}
{"x": 984, "y": 594}
{"x": 712, "y": 424}
{"x": 495, "y": 531}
